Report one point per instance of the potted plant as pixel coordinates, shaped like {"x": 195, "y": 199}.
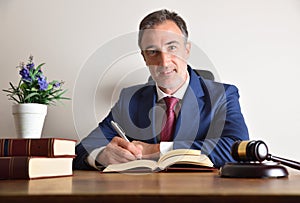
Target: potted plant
{"x": 31, "y": 97}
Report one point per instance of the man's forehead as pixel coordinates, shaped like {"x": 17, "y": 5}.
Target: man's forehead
{"x": 156, "y": 37}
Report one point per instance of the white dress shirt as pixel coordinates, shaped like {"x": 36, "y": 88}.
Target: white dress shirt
{"x": 179, "y": 94}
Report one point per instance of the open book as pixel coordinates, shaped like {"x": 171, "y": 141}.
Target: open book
{"x": 179, "y": 159}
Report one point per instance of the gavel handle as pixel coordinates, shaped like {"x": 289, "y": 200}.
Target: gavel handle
{"x": 287, "y": 162}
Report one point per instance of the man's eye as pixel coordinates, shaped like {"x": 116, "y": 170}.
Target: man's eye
{"x": 172, "y": 48}
{"x": 151, "y": 52}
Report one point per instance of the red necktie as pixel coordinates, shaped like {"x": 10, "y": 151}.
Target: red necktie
{"x": 170, "y": 119}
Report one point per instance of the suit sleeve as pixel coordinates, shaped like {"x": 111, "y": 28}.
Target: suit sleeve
{"x": 99, "y": 137}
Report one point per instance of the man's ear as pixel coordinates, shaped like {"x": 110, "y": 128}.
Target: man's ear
{"x": 188, "y": 46}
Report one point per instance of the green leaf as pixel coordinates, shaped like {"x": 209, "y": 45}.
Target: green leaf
{"x": 37, "y": 69}
{"x": 50, "y": 86}
{"x": 31, "y": 95}
{"x": 12, "y": 86}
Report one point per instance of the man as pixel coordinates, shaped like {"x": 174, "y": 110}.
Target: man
{"x": 204, "y": 115}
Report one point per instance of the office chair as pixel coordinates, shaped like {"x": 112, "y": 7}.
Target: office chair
{"x": 206, "y": 74}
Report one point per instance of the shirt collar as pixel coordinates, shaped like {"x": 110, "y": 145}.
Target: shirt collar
{"x": 178, "y": 94}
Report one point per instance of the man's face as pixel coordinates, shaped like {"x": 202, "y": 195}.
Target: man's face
{"x": 165, "y": 52}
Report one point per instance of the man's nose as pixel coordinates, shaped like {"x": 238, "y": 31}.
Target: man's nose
{"x": 164, "y": 59}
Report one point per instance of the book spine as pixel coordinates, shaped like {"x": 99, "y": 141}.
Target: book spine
{"x": 14, "y": 168}
{"x": 27, "y": 147}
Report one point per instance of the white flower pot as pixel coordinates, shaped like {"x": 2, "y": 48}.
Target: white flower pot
{"x": 29, "y": 119}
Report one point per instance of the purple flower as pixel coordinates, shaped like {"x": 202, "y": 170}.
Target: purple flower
{"x": 30, "y": 66}
{"x": 24, "y": 72}
{"x": 42, "y": 82}
{"x": 56, "y": 85}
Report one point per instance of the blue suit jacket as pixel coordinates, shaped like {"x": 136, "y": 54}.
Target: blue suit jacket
{"x": 210, "y": 119}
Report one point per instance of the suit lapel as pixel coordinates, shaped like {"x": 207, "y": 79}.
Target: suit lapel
{"x": 146, "y": 114}
{"x": 188, "y": 120}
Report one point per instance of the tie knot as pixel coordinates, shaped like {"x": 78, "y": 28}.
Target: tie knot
{"x": 171, "y": 102}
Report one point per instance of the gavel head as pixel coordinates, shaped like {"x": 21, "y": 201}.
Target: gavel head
{"x": 246, "y": 151}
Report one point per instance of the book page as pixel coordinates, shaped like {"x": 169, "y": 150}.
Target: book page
{"x": 49, "y": 167}
{"x": 64, "y": 147}
{"x": 201, "y": 160}
{"x": 136, "y": 164}
{"x": 178, "y": 152}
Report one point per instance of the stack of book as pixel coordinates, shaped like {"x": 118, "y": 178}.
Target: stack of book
{"x": 36, "y": 158}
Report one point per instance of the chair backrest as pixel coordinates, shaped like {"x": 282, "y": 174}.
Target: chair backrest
{"x": 206, "y": 74}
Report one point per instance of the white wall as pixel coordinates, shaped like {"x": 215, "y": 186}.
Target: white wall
{"x": 253, "y": 44}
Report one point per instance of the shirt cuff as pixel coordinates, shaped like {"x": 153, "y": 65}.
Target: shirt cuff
{"x": 165, "y": 147}
{"x": 93, "y": 155}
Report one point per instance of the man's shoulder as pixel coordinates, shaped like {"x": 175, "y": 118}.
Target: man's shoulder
{"x": 202, "y": 86}
{"x": 213, "y": 85}
{"x": 217, "y": 91}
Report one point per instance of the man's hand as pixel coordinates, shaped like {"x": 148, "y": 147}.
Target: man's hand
{"x": 119, "y": 151}
{"x": 149, "y": 151}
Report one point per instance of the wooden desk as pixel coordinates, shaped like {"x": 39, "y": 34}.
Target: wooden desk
{"x": 92, "y": 186}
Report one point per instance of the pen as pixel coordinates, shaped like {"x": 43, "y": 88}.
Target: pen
{"x": 119, "y": 130}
